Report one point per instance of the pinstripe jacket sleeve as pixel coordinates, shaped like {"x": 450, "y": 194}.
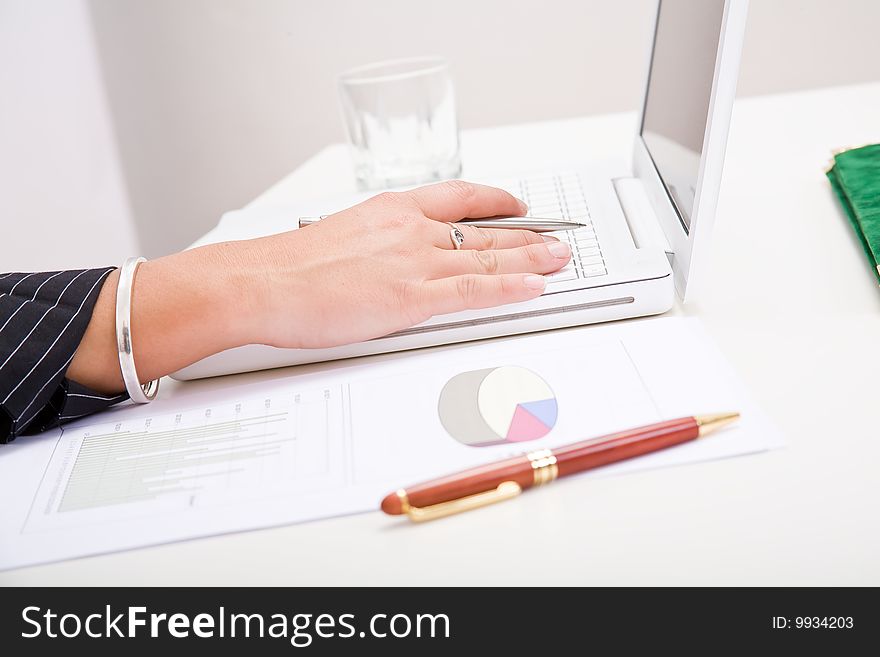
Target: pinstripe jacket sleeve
{"x": 43, "y": 316}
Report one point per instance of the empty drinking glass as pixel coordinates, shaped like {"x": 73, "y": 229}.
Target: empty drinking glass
{"x": 401, "y": 122}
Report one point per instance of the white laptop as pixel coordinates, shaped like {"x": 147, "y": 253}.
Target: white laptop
{"x": 647, "y": 224}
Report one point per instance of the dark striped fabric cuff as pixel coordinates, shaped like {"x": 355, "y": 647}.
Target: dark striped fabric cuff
{"x": 43, "y": 317}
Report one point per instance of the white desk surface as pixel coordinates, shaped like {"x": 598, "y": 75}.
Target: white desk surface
{"x": 791, "y": 303}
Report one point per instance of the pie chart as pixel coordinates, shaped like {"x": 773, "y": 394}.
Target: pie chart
{"x": 497, "y": 405}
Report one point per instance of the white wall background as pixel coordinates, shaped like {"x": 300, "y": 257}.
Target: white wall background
{"x": 214, "y": 100}
{"x": 62, "y": 199}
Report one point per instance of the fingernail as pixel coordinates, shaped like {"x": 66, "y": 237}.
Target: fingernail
{"x": 549, "y": 238}
{"x": 559, "y": 249}
{"x": 522, "y": 206}
{"x": 534, "y": 282}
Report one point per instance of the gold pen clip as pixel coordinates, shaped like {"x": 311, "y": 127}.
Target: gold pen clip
{"x": 506, "y": 490}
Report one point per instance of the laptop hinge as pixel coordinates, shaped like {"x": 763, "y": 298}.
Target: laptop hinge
{"x": 640, "y": 216}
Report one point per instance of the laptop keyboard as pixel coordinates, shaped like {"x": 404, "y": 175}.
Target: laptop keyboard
{"x": 561, "y": 196}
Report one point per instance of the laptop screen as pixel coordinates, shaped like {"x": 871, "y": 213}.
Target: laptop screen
{"x": 679, "y": 88}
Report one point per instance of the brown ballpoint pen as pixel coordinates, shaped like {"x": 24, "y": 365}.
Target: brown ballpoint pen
{"x": 505, "y": 479}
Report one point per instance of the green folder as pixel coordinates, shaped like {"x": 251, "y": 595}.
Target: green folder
{"x": 855, "y": 176}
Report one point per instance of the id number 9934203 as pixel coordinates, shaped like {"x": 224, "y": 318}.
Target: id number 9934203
{"x": 813, "y": 622}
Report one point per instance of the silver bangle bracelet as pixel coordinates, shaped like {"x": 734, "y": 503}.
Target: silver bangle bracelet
{"x": 140, "y": 394}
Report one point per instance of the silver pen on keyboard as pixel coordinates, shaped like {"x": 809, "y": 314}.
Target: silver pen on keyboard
{"x": 534, "y": 224}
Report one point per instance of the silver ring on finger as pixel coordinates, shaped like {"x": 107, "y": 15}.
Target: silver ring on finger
{"x": 456, "y": 236}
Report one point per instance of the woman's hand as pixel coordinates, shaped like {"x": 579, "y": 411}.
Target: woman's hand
{"x": 389, "y": 263}
{"x": 378, "y": 267}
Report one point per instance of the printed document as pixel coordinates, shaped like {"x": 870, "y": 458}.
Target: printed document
{"x": 305, "y": 446}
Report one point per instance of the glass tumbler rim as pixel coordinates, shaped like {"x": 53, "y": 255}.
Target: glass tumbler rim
{"x": 430, "y": 64}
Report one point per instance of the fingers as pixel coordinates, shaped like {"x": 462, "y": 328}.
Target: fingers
{"x": 472, "y": 291}
{"x": 498, "y": 238}
{"x": 541, "y": 258}
{"x": 484, "y": 238}
{"x": 456, "y": 199}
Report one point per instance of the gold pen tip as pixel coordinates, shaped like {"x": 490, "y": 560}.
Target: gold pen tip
{"x": 714, "y": 421}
